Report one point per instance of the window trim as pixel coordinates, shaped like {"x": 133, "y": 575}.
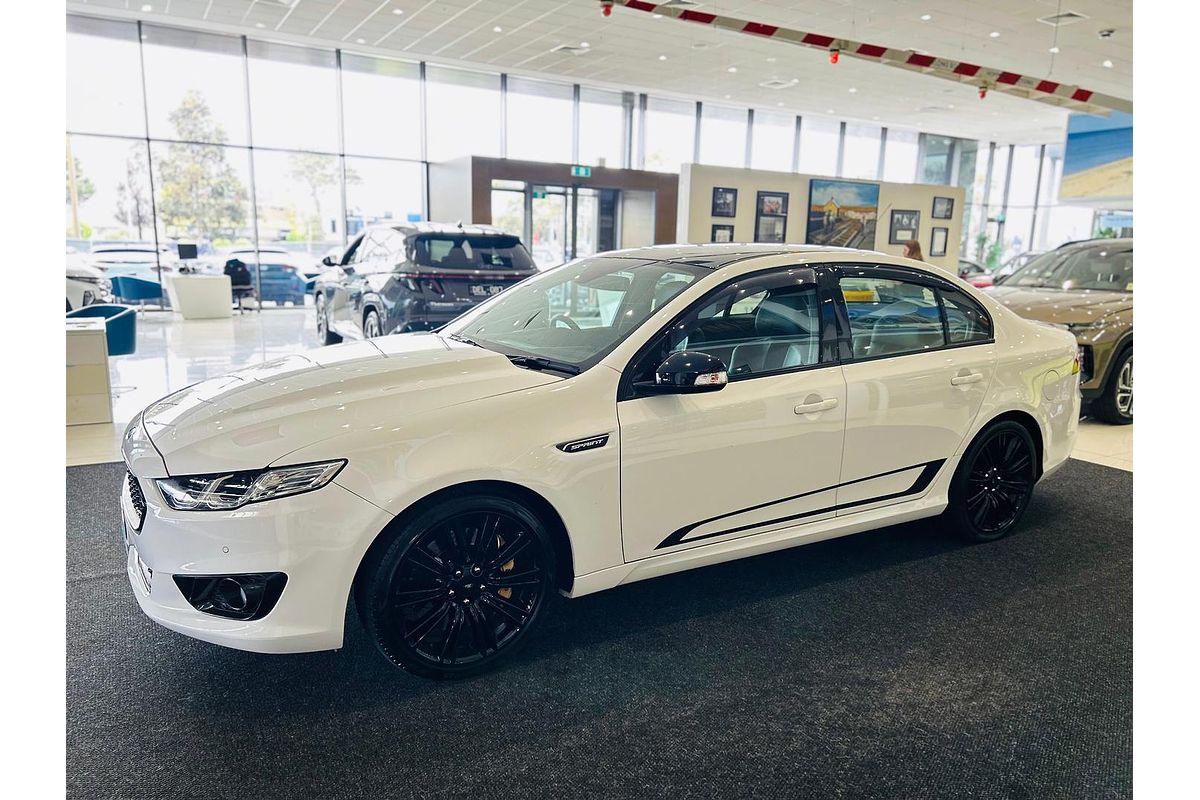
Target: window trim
{"x": 827, "y": 331}
{"x": 935, "y": 283}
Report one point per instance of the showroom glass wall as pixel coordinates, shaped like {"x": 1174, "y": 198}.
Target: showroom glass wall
{"x": 237, "y": 144}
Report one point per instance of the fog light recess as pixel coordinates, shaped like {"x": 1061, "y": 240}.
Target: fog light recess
{"x": 247, "y": 596}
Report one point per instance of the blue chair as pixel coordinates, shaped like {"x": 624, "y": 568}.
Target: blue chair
{"x": 120, "y": 325}
{"x": 129, "y": 289}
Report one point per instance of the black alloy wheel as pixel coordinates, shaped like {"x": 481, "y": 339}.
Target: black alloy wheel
{"x": 1115, "y": 406}
{"x": 459, "y": 588}
{"x": 994, "y": 482}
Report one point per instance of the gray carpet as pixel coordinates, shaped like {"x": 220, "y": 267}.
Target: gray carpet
{"x": 894, "y": 664}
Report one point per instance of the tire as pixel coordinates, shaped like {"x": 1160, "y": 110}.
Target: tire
{"x": 994, "y": 481}
{"x": 1115, "y": 406}
{"x": 372, "y": 327}
{"x": 459, "y": 587}
{"x": 324, "y": 334}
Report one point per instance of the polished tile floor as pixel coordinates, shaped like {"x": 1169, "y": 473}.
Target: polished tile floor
{"x": 173, "y": 353}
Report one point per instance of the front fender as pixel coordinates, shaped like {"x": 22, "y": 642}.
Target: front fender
{"x": 511, "y": 438}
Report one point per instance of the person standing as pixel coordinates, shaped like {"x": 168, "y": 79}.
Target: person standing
{"x": 912, "y": 249}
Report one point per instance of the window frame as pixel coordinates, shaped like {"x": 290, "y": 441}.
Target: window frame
{"x": 935, "y": 283}
{"x": 828, "y": 331}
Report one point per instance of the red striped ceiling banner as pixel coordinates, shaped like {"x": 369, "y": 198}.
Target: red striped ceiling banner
{"x": 1013, "y": 83}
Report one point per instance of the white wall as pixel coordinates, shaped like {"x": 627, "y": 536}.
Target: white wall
{"x": 695, "y": 221}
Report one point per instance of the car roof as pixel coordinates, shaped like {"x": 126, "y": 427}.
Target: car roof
{"x": 716, "y": 256}
{"x": 1125, "y": 242}
{"x": 416, "y": 228}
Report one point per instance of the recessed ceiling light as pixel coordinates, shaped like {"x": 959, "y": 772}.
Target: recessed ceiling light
{"x": 829, "y": 111}
{"x": 147, "y": 7}
{"x": 497, "y": 29}
{"x": 732, "y": 69}
{"x": 779, "y": 104}
{"x": 584, "y": 44}
{"x": 658, "y": 16}
{"x": 772, "y": 60}
{"x": 1107, "y": 63}
{"x": 1054, "y": 49}
{"x": 662, "y": 58}
{"x": 397, "y": 11}
{"x": 853, "y": 90}
{"x": 259, "y": 25}
{"x": 994, "y": 34}
{"x": 875, "y": 117}
{"x": 950, "y": 106}
{"x": 926, "y": 17}
{"x": 361, "y": 41}
{"x": 728, "y": 96}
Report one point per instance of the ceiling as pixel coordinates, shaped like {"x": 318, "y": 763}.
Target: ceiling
{"x": 626, "y": 50}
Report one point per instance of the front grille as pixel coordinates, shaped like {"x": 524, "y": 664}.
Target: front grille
{"x": 136, "y": 497}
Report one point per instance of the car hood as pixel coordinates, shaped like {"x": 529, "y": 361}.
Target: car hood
{"x": 254, "y": 417}
{"x": 1062, "y": 307}
{"x": 83, "y": 271}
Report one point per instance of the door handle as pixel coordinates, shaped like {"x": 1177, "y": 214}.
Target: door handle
{"x": 817, "y": 406}
{"x": 962, "y": 380}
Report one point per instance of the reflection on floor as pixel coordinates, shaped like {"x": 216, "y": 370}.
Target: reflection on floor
{"x": 173, "y": 353}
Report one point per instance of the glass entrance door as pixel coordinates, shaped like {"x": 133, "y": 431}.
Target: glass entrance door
{"x": 550, "y": 225}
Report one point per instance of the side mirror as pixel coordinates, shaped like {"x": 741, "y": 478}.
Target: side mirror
{"x": 687, "y": 372}
{"x": 329, "y": 261}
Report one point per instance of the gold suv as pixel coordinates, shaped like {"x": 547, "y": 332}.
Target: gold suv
{"x": 1087, "y": 288}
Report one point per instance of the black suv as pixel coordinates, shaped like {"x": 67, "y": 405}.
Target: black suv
{"x": 414, "y": 277}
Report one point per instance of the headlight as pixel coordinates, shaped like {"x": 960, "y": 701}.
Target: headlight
{"x": 229, "y": 490}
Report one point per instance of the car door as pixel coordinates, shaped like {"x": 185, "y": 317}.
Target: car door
{"x": 761, "y": 454}
{"x": 918, "y": 360}
{"x": 337, "y": 294}
{"x": 366, "y": 266}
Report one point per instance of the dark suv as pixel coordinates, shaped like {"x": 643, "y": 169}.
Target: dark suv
{"x": 414, "y": 277}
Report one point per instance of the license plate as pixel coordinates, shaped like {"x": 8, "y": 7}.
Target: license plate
{"x": 484, "y": 289}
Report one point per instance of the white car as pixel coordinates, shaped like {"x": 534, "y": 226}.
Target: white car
{"x": 620, "y": 417}
{"x": 85, "y": 285}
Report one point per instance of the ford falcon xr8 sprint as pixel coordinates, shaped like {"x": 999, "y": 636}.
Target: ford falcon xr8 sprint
{"x": 617, "y": 418}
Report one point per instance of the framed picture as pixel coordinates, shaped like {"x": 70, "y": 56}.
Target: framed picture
{"x": 943, "y": 207}
{"x": 771, "y": 230}
{"x": 724, "y": 202}
{"x": 722, "y": 233}
{"x": 842, "y": 213}
{"x": 937, "y": 242}
{"x": 772, "y": 204}
{"x": 904, "y": 226}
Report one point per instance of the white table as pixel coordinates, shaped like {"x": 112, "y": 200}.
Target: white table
{"x": 89, "y": 393}
{"x": 200, "y": 296}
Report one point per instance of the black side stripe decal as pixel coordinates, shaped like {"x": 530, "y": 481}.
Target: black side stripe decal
{"x": 928, "y": 471}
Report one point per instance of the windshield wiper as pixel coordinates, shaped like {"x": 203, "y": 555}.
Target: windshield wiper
{"x": 464, "y": 340}
{"x": 538, "y": 362}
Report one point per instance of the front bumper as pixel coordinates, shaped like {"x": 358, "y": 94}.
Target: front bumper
{"x": 317, "y": 539}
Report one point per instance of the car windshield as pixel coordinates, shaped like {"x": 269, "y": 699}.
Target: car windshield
{"x": 577, "y": 313}
{"x": 463, "y": 251}
{"x": 1098, "y": 268}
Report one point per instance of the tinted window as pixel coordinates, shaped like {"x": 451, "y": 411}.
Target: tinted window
{"x": 965, "y": 320}
{"x": 757, "y": 326}
{"x": 1092, "y": 267}
{"x": 890, "y": 317}
{"x": 469, "y": 252}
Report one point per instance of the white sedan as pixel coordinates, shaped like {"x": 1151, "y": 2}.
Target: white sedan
{"x": 617, "y": 418}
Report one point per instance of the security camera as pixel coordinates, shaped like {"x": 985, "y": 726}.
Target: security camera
{"x": 1106, "y": 33}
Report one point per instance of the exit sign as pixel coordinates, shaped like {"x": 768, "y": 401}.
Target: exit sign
{"x": 538, "y": 195}
{"x": 581, "y": 172}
